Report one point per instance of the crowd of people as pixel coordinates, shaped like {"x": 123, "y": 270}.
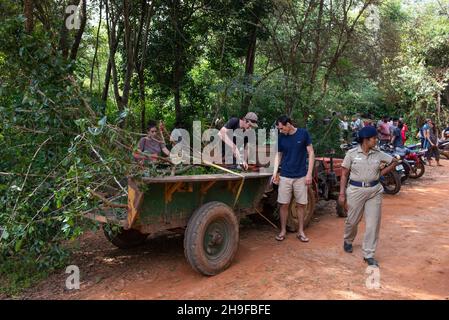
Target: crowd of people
{"x": 395, "y": 132}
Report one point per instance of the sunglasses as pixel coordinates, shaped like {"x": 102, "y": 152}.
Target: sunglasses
{"x": 252, "y": 121}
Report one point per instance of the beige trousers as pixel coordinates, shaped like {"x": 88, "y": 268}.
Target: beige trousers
{"x": 368, "y": 201}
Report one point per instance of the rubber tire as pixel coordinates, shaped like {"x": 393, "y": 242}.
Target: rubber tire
{"x": 397, "y": 181}
{"x": 195, "y": 233}
{"x": 422, "y": 169}
{"x": 292, "y": 221}
{"x": 125, "y": 239}
{"x": 407, "y": 170}
{"x": 269, "y": 205}
{"x": 445, "y": 153}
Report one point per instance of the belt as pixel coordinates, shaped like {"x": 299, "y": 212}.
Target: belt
{"x": 363, "y": 184}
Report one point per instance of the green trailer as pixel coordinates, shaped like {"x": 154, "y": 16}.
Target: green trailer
{"x": 207, "y": 208}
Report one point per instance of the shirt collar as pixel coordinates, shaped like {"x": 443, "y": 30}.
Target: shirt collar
{"x": 360, "y": 150}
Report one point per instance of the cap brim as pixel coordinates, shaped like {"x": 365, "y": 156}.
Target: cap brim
{"x": 254, "y": 125}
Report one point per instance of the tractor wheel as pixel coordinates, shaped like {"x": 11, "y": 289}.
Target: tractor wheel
{"x": 211, "y": 238}
{"x": 292, "y": 221}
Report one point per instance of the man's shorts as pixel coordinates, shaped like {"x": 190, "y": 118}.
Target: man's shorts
{"x": 297, "y": 186}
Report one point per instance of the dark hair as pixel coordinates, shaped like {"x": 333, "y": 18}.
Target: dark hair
{"x": 434, "y": 129}
{"x": 400, "y": 125}
{"x": 284, "y": 120}
{"x": 395, "y": 119}
{"x": 151, "y": 124}
{"x": 179, "y": 124}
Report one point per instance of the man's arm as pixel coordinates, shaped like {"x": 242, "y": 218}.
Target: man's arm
{"x": 223, "y": 134}
{"x": 277, "y": 161}
{"x": 311, "y": 153}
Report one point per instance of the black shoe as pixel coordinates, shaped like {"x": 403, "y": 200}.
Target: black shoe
{"x": 347, "y": 247}
{"x": 371, "y": 262}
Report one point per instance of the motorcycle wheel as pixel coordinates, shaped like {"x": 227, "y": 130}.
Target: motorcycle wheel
{"x": 391, "y": 183}
{"x": 445, "y": 153}
{"x": 417, "y": 171}
{"x": 407, "y": 171}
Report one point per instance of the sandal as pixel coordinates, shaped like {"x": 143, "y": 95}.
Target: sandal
{"x": 280, "y": 238}
{"x": 302, "y": 238}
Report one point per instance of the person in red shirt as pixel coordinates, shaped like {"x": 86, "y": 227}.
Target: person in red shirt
{"x": 404, "y": 129}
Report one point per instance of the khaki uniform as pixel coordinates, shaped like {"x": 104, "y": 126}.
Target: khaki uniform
{"x": 364, "y": 168}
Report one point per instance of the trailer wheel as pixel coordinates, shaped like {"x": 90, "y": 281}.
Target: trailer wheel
{"x": 124, "y": 239}
{"x": 211, "y": 238}
{"x": 292, "y": 221}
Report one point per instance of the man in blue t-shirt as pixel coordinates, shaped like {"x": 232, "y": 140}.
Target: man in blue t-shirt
{"x": 293, "y": 146}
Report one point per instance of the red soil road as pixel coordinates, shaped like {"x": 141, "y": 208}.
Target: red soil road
{"x": 413, "y": 254}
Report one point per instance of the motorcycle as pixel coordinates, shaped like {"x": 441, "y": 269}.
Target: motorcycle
{"x": 403, "y": 168}
{"x": 443, "y": 146}
{"x": 416, "y": 161}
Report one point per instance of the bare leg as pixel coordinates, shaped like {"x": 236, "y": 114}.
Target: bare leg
{"x": 300, "y": 209}
{"x": 283, "y": 216}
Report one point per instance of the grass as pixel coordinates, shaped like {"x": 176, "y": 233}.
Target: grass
{"x": 17, "y": 275}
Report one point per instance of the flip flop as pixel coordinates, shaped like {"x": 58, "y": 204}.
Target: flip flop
{"x": 280, "y": 238}
{"x": 302, "y": 239}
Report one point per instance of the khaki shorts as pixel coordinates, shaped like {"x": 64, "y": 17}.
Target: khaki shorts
{"x": 287, "y": 186}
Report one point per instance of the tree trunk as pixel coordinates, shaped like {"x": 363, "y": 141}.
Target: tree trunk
{"x": 178, "y": 71}
{"x": 113, "y": 49}
{"x": 79, "y": 34}
{"x": 28, "y": 8}
{"x": 142, "y": 99}
{"x": 178, "y": 108}
{"x": 96, "y": 49}
{"x": 64, "y": 32}
{"x": 438, "y": 107}
{"x": 249, "y": 70}
{"x": 129, "y": 47}
{"x": 142, "y": 40}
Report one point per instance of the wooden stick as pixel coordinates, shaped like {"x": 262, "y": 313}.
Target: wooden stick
{"x": 106, "y": 202}
{"x": 275, "y": 226}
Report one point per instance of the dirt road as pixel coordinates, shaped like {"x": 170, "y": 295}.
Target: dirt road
{"x": 413, "y": 254}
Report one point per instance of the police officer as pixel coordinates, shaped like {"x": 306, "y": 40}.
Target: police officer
{"x": 364, "y": 165}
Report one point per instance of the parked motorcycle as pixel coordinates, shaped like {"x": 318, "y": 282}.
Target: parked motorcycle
{"x": 416, "y": 161}
{"x": 443, "y": 146}
{"x": 391, "y": 182}
{"x": 403, "y": 168}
